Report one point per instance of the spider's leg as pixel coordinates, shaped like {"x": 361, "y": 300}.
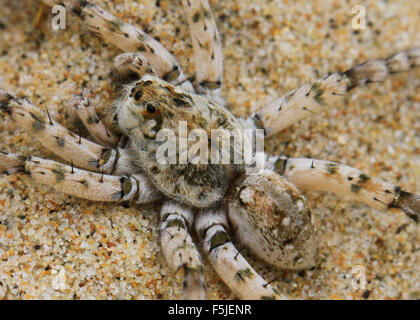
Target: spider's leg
{"x": 179, "y": 249}
{"x": 63, "y": 142}
{"x": 208, "y": 56}
{"x": 126, "y": 37}
{"x": 81, "y": 183}
{"x": 86, "y": 112}
{"x": 130, "y": 66}
{"x": 228, "y": 262}
{"x": 348, "y": 182}
{"x": 312, "y": 98}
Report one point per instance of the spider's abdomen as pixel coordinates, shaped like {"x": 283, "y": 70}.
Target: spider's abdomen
{"x": 272, "y": 219}
{"x": 197, "y": 186}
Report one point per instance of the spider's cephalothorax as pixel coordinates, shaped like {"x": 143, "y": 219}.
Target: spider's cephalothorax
{"x": 151, "y": 106}
{"x": 264, "y": 212}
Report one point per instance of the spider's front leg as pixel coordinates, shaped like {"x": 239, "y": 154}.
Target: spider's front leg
{"x": 63, "y": 142}
{"x": 230, "y": 265}
{"x": 208, "y": 56}
{"x": 81, "y": 183}
{"x": 126, "y": 37}
{"x": 179, "y": 249}
{"x": 312, "y": 98}
{"x": 347, "y": 182}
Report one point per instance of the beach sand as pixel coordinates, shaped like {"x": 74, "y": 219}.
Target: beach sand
{"x": 53, "y": 246}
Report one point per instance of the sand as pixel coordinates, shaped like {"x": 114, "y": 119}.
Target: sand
{"x": 53, "y": 246}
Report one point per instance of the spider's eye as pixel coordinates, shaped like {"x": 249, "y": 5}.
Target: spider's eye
{"x": 150, "y": 108}
{"x": 151, "y": 111}
{"x": 137, "y": 95}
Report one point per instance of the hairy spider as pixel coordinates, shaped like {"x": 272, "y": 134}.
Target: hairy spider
{"x": 265, "y": 213}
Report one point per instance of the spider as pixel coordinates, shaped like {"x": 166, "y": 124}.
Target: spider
{"x": 265, "y": 213}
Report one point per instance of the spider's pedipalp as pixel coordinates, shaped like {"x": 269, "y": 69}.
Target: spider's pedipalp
{"x": 179, "y": 249}
{"x": 86, "y": 112}
{"x": 208, "y": 56}
{"x": 63, "y": 142}
{"x": 81, "y": 183}
{"x": 132, "y": 66}
{"x": 312, "y": 98}
{"x": 129, "y": 67}
{"x": 347, "y": 182}
{"x": 228, "y": 262}
{"x": 127, "y": 37}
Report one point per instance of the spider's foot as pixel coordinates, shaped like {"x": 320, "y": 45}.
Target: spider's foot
{"x": 11, "y": 163}
{"x": 409, "y": 203}
{"x": 80, "y": 101}
{"x": 5, "y": 99}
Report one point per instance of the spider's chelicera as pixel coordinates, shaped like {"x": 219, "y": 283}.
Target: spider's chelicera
{"x": 264, "y": 211}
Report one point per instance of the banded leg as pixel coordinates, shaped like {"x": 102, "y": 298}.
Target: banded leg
{"x": 348, "y": 182}
{"x": 126, "y": 37}
{"x": 179, "y": 249}
{"x": 208, "y": 56}
{"x": 63, "y": 142}
{"x": 229, "y": 264}
{"x": 87, "y": 114}
{"x": 81, "y": 183}
{"x": 132, "y": 66}
{"x": 312, "y": 98}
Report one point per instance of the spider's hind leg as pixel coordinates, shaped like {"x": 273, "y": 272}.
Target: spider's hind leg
{"x": 180, "y": 251}
{"x": 228, "y": 262}
{"x": 348, "y": 182}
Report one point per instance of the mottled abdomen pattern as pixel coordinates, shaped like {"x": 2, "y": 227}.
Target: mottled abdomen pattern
{"x": 271, "y": 217}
